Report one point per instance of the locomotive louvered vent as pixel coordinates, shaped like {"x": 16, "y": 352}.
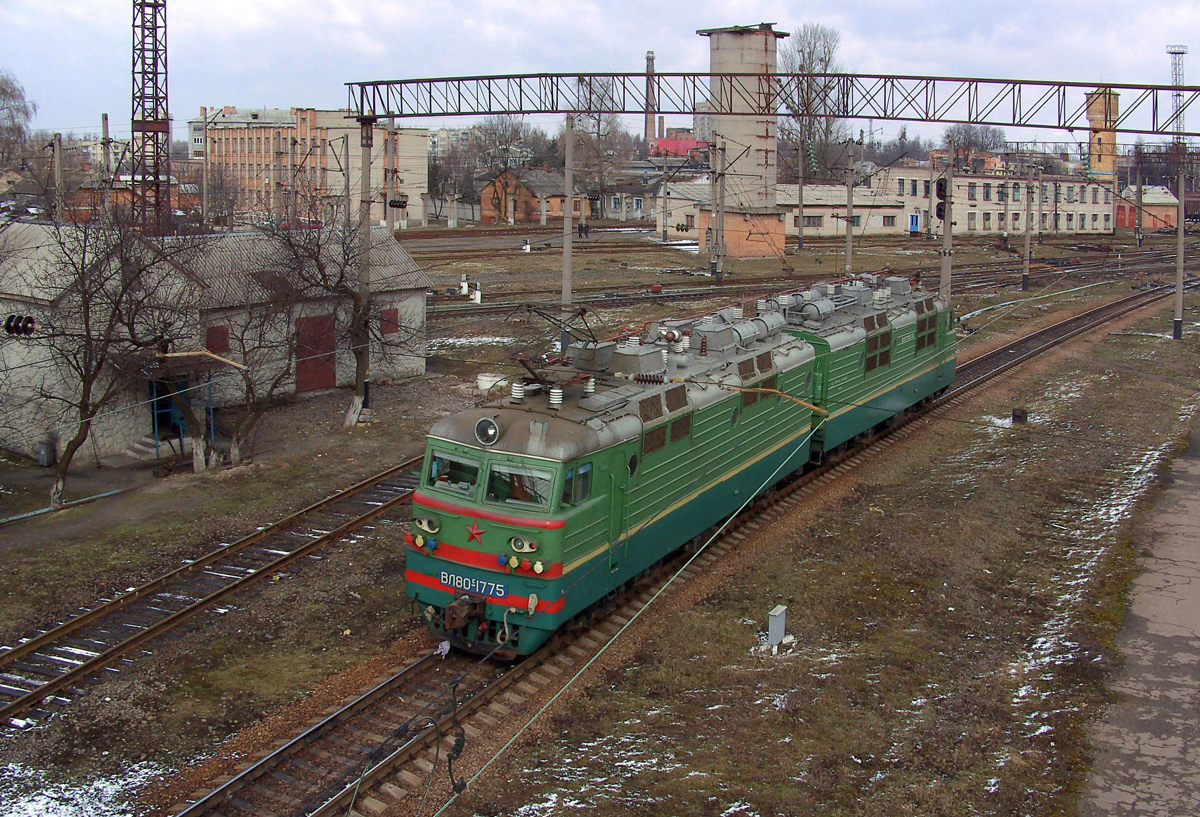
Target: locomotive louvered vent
{"x": 765, "y": 362}
{"x": 869, "y": 323}
{"x": 676, "y": 398}
{"x": 650, "y": 409}
{"x": 920, "y": 307}
{"x": 929, "y": 304}
{"x": 881, "y": 320}
{"x": 746, "y": 368}
{"x": 656, "y": 438}
{"x": 681, "y": 427}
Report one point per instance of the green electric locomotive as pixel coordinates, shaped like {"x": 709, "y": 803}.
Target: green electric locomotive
{"x": 534, "y": 507}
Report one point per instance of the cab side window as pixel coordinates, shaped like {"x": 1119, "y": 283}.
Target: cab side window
{"x": 577, "y": 487}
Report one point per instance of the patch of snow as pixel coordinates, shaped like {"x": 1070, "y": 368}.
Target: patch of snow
{"x": 457, "y": 343}
{"x": 26, "y": 792}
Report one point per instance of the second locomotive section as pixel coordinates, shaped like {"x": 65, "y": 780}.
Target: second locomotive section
{"x": 533, "y": 508}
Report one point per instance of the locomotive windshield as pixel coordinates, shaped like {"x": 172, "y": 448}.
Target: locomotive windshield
{"x": 452, "y": 473}
{"x": 514, "y": 484}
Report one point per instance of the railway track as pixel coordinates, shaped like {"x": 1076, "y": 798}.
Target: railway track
{"x": 378, "y": 751}
{"x": 41, "y": 674}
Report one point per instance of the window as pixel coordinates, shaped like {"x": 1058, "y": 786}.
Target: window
{"x": 1070, "y": 192}
{"x": 1095, "y": 221}
{"x": 899, "y": 187}
{"x": 1107, "y": 198}
{"x": 1016, "y": 191}
{"x": 1043, "y": 221}
{"x": 926, "y": 189}
{"x": 637, "y": 202}
{"x": 987, "y": 191}
{"x": 971, "y": 192}
{"x": 970, "y": 221}
{"x": 689, "y": 222}
{"x": 987, "y": 221}
{"x": 1000, "y": 221}
{"x": 452, "y": 473}
{"x": 1070, "y": 221}
{"x": 814, "y": 221}
{"x": 1107, "y": 220}
{"x": 1001, "y": 192}
{"x": 1095, "y": 195}
{"x": 889, "y": 221}
{"x": 217, "y": 340}
{"x": 1016, "y": 220}
{"x": 577, "y": 487}
{"x": 616, "y": 202}
{"x": 856, "y": 221}
{"x": 913, "y": 188}
{"x": 514, "y": 484}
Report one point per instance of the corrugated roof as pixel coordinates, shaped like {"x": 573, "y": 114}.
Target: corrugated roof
{"x": 233, "y": 269}
{"x": 252, "y": 267}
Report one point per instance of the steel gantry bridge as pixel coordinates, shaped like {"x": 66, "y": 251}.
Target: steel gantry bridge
{"x": 1148, "y": 109}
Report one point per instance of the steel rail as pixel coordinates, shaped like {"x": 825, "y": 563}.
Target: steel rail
{"x": 344, "y": 798}
{"x": 156, "y": 629}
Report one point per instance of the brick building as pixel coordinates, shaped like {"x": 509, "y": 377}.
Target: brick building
{"x": 275, "y": 160}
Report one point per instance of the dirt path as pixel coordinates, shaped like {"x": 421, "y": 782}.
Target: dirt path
{"x": 1148, "y": 745}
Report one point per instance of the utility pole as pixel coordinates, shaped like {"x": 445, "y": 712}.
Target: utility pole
{"x": 277, "y": 181}
{"x": 1178, "y": 333}
{"x": 1057, "y": 192}
{"x": 850, "y": 215}
{"x": 568, "y": 205}
{"x": 106, "y": 149}
{"x": 947, "y": 232}
{"x": 388, "y": 176}
{"x": 800, "y": 202}
{"x": 362, "y": 337}
{"x": 60, "y": 199}
{"x": 1005, "y": 190}
{"x": 346, "y": 175}
{"x": 929, "y": 213}
{"x": 721, "y": 214}
{"x": 1041, "y": 204}
{"x": 1028, "y": 228}
{"x": 1138, "y": 165}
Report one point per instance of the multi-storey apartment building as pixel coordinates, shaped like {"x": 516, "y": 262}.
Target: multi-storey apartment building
{"x": 995, "y": 202}
{"x": 274, "y": 161}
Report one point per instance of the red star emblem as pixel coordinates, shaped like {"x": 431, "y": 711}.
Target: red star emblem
{"x": 474, "y": 532}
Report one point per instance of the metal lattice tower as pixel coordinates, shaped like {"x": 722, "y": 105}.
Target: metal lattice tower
{"x": 1177, "y": 52}
{"x": 150, "y": 182}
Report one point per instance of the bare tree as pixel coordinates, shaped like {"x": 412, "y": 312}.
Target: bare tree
{"x": 15, "y": 114}
{"x": 325, "y": 264}
{"x": 603, "y": 142}
{"x": 114, "y": 301}
{"x": 813, "y": 50}
{"x": 968, "y": 139}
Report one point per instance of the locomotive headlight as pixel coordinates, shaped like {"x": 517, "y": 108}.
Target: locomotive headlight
{"x": 522, "y": 545}
{"x": 426, "y": 524}
{"x": 487, "y": 431}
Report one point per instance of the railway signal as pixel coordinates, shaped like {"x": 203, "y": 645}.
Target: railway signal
{"x": 24, "y": 325}
{"x": 940, "y": 189}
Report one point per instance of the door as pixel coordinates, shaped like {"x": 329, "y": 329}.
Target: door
{"x": 316, "y": 364}
{"x": 616, "y": 521}
{"x": 914, "y": 223}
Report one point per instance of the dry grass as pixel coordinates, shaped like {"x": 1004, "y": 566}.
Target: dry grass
{"x": 953, "y": 619}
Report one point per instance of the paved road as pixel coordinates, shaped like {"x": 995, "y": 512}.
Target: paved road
{"x": 1148, "y": 746}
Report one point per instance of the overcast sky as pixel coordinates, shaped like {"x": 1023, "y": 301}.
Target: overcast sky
{"x": 73, "y": 56}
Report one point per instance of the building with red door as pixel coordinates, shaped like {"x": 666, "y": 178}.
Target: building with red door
{"x": 224, "y": 318}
